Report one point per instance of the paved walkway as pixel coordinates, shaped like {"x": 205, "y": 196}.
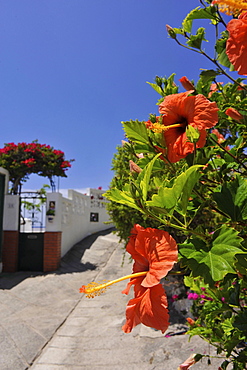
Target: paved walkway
{"x": 46, "y": 324}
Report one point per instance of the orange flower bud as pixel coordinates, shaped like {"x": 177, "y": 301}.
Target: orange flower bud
{"x": 234, "y": 114}
{"x": 134, "y": 167}
{"x": 187, "y": 85}
{"x": 190, "y": 321}
{"x": 188, "y": 363}
{"x": 171, "y": 32}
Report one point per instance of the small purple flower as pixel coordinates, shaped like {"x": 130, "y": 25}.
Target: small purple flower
{"x": 223, "y": 299}
{"x": 193, "y": 296}
{"x": 175, "y": 297}
{"x": 203, "y": 289}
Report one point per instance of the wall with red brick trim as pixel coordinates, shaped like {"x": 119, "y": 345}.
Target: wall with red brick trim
{"x": 10, "y": 250}
{"x": 52, "y": 250}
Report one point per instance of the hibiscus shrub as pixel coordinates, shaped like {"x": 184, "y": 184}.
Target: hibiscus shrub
{"x": 23, "y": 159}
{"x": 190, "y": 175}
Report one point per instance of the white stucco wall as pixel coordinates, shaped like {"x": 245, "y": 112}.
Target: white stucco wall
{"x": 72, "y": 216}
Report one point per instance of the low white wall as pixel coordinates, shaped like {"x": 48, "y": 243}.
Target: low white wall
{"x": 72, "y": 216}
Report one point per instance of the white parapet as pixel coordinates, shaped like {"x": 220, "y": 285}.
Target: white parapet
{"x": 77, "y": 216}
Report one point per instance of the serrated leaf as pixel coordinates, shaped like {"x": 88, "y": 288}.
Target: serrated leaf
{"x": 240, "y": 321}
{"x": 157, "y": 88}
{"x": 208, "y": 75}
{"x": 136, "y": 131}
{"x": 192, "y": 176}
{"x": 232, "y": 199}
{"x": 224, "y": 60}
{"x": 168, "y": 198}
{"x": 241, "y": 264}
{"x": 213, "y": 262}
{"x": 195, "y": 41}
{"x": 145, "y": 177}
{"x": 199, "y": 13}
{"x": 121, "y": 197}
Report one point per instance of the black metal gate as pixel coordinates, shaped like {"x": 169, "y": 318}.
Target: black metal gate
{"x": 31, "y": 248}
{"x": 31, "y": 235}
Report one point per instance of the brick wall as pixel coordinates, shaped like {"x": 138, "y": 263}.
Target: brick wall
{"x": 52, "y": 250}
{"x": 10, "y": 251}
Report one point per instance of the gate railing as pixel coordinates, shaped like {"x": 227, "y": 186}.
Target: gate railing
{"x": 32, "y": 212}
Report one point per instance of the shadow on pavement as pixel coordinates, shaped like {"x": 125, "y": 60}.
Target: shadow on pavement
{"x": 71, "y": 262}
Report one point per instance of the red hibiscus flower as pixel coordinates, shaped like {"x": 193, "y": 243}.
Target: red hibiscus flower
{"x": 236, "y": 46}
{"x": 154, "y": 251}
{"x": 180, "y": 111}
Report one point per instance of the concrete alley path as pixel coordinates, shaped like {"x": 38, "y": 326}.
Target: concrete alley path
{"x": 46, "y": 324}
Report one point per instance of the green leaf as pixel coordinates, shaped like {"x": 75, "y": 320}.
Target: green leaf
{"x": 241, "y": 321}
{"x": 208, "y": 75}
{"x": 136, "y": 131}
{"x": 192, "y": 176}
{"x": 145, "y": 177}
{"x": 121, "y": 197}
{"x": 168, "y": 198}
{"x": 157, "y": 88}
{"x": 195, "y": 41}
{"x": 232, "y": 199}
{"x": 224, "y": 60}
{"x": 220, "y": 48}
{"x": 241, "y": 264}
{"x": 199, "y": 13}
{"x": 213, "y": 262}
{"x": 227, "y": 326}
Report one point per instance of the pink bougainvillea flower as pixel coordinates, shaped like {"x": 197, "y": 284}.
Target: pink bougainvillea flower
{"x": 236, "y": 46}
{"x": 154, "y": 253}
{"x": 234, "y": 114}
{"x": 178, "y": 112}
{"x": 186, "y": 83}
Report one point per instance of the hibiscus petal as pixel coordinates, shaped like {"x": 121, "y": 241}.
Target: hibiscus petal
{"x": 236, "y": 49}
{"x": 160, "y": 250}
{"x": 149, "y": 308}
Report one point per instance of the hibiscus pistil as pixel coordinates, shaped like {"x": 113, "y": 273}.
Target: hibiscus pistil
{"x": 158, "y": 127}
{"x": 95, "y": 289}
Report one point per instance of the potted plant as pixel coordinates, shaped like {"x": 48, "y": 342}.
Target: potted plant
{"x": 51, "y": 214}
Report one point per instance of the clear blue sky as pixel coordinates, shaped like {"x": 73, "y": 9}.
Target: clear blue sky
{"x": 72, "y": 70}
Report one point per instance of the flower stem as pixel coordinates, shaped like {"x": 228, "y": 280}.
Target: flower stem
{"x": 230, "y": 154}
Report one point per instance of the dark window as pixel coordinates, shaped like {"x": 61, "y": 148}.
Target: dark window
{"x": 94, "y": 217}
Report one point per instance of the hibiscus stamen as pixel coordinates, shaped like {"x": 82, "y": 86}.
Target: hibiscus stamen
{"x": 231, "y": 7}
{"x": 158, "y": 127}
{"x": 94, "y": 289}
